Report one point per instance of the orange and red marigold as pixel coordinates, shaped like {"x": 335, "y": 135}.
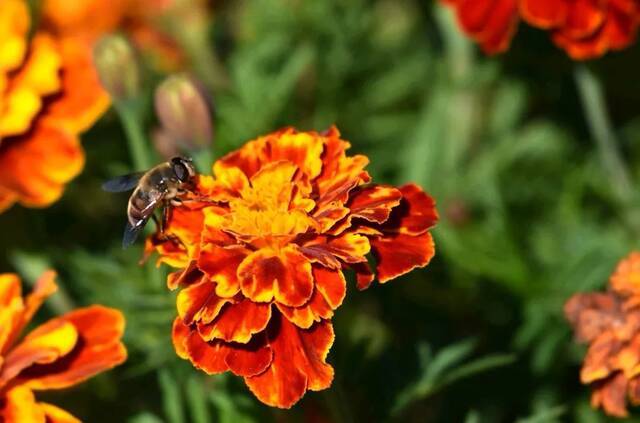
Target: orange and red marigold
{"x": 585, "y": 29}
{"x": 610, "y": 323}
{"x": 49, "y": 93}
{"x": 58, "y": 354}
{"x": 262, "y": 248}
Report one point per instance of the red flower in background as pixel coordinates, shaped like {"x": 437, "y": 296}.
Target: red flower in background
{"x": 585, "y": 29}
{"x": 610, "y": 323}
{"x": 262, "y": 249}
{"x": 491, "y": 23}
{"x": 60, "y": 353}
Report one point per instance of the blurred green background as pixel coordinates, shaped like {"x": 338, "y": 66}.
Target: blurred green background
{"x": 514, "y": 149}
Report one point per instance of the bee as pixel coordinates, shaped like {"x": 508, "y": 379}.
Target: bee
{"x": 163, "y": 185}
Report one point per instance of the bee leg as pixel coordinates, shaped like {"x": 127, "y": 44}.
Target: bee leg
{"x": 162, "y": 225}
{"x": 198, "y": 200}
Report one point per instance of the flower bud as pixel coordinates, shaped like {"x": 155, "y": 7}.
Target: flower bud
{"x": 184, "y": 112}
{"x": 117, "y": 66}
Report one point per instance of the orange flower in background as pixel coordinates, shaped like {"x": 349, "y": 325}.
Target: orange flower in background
{"x": 262, "y": 248}
{"x": 585, "y": 29}
{"x": 58, "y": 354}
{"x": 49, "y": 93}
{"x": 610, "y": 323}
{"x": 142, "y": 20}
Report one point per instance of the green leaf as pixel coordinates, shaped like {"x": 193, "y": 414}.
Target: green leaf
{"x": 446, "y": 368}
{"x": 172, "y": 401}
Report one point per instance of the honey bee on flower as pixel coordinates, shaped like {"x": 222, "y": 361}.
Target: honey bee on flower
{"x": 163, "y": 185}
{"x": 262, "y": 258}
{"x": 60, "y": 353}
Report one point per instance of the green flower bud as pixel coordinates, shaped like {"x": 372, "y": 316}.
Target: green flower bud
{"x": 117, "y": 66}
{"x": 184, "y": 112}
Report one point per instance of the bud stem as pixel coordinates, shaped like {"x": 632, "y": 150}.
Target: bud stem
{"x": 130, "y": 118}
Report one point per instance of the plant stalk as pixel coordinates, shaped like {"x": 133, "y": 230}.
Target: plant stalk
{"x": 130, "y": 118}
{"x": 597, "y": 116}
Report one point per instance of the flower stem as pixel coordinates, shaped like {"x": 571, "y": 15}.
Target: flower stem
{"x": 130, "y": 118}
{"x": 597, "y": 116}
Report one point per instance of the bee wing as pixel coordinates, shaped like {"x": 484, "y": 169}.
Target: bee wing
{"x": 131, "y": 232}
{"x": 123, "y": 183}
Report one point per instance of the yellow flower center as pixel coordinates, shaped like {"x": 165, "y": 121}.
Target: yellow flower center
{"x": 271, "y": 207}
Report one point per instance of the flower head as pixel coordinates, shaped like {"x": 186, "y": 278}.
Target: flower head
{"x": 92, "y": 19}
{"x": 262, "y": 249}
{"x": 58, "y": 354}
{"x": 610, "y": 323}
{"x": 49, "y": 93}
{"x": 585, "y": 29}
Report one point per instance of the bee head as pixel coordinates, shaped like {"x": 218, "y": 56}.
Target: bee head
{"x": 183, "y": 168}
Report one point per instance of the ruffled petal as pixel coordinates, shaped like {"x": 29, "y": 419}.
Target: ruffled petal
{"x": 221, "y": 264}
{"x": 584, "y": 18}
{"x": 374, "y": 203}
{"x": 491, "y": 23}
{"x": 415, "y": 215}
{"x": 7, "y": 199}
{"x": 349, "y": 247}
{"x": 611, "y": 395}
{"x": 300, "y": 148}
{"x": 364, "y": 275}
{"x": 185, "y": 277}
{"x": 544, "y": 14}
{"x": 284, "y": 276}
{"x": 206, "y": 356}
{"x": 20, "y": 406}
{"x": 316, "y": 310}
{"x": 299, "y": 363}
{"x": 199, "y": 302}
{"x": 249, "y": 158}
{"x": 44, "y": 287}
{"x": 55, "y": 414}
{"x": 82, "y": 100}
{"x": 179, "y": 334}
{"x": 399, "y": 254}
{"x": 14, "y": 26}
{"x": 217, "y": 356}
{"x": 331, "y": 285}
{"x": 44, "y": 345}
{"x": 36, "y": 166}
{"x": 596, "y": 363}
{"x": 10, "y": 289}
{"x": 37, "y": 77}
{"x": 98, "y": 349}
{"x": 237, "y": 322}
{"x": 229, "y": 183}
{"x": 249, "y": 359}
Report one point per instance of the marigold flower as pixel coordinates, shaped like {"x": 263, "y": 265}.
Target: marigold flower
{"x": 91, "y": 19}
{"x": 58, "y": 354}
{"x": 262, "y": 248}
{"x": 49, "y": 93}
{"x": 610, "y": 323}
{"x": 585, "y": 29}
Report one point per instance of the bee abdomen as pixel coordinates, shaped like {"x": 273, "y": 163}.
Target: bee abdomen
{"x": 139, "y": 209}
